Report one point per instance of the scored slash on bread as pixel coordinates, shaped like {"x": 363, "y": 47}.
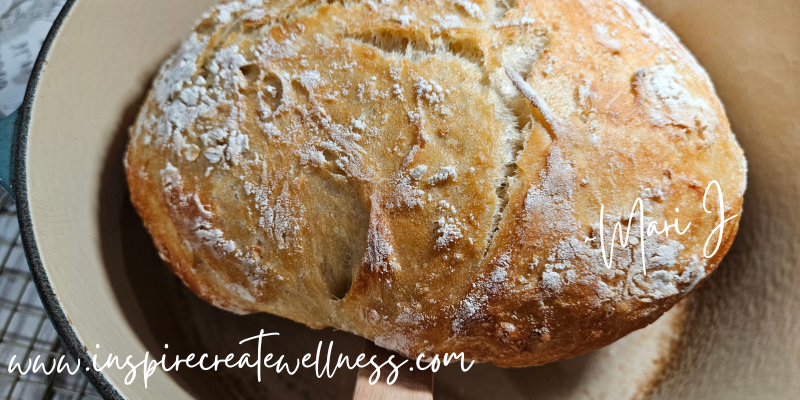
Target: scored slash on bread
{"x": 424, "y": 174}
{"x": 550, "y": 120}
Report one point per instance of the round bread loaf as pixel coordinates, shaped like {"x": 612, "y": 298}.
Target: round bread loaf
{"x": 430, "y": 174}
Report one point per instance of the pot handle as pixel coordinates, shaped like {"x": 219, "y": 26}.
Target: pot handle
{"x": 8, "y": 149}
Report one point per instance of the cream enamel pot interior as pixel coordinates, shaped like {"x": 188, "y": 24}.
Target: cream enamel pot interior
{"x": 737, "y": 337}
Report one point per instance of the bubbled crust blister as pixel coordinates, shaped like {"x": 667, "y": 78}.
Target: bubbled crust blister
{"x": 424, "y": 173}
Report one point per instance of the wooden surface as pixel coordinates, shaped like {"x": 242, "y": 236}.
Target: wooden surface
{"x": 410, "y": 384}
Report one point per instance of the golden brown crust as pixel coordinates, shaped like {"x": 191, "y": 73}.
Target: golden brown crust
{"x": 425, "y": 174}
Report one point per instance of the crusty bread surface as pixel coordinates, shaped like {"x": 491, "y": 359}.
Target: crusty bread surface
{"x": 426, "y": 174}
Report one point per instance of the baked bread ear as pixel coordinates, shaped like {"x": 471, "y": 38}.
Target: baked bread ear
{"x": 426, "y": 174}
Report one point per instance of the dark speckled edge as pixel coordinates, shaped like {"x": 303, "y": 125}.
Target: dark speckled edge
{"x": 49, "y": 298}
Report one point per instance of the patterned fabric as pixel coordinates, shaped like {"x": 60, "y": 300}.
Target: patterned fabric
{"x": 23, "y": 26}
